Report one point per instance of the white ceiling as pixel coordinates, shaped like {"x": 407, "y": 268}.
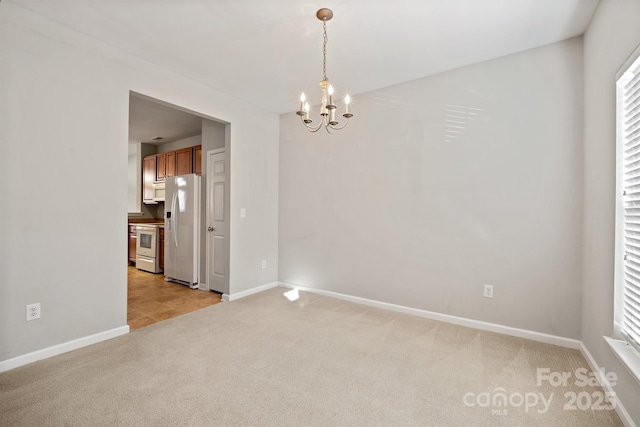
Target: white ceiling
{"x": 148, "y": 119}
{"x": 267, "y": 52}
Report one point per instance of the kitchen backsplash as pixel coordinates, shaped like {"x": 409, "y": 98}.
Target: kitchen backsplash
{"x": 151, "y": 211}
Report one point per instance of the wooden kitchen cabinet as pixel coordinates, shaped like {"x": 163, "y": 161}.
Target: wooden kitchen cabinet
{"x": 184, "y": 161}
{"x": 197, "y": 159}
{"x": 161, "y": 166}
{"x": 161, "y": 248}
{"x": 133, "y": 239}
{"x": 149, "y": 171}
{"x": 157, "y": 167}
{"x": 170, "y": 164}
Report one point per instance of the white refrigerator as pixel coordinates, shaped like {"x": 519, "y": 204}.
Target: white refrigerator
{"x": 182, "y": 229}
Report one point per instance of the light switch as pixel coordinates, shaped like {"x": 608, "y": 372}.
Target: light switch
{"x": 243, "y": 212}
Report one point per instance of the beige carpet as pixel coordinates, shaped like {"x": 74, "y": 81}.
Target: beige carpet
{"x": 318, "y": 361}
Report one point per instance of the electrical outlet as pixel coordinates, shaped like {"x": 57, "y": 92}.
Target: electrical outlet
{"x": 33, "y": 311}
{"x": 488, "y": 291}
{"x": 264, "y": 263}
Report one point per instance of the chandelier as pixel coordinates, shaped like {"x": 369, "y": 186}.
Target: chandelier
{"x": 327, "y": 108}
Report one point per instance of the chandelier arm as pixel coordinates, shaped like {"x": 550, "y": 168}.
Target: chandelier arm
{"x": 341, "y": 127}
{"x": 311, "y": 128}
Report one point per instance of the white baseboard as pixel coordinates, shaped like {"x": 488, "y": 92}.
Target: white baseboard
{"x": 257, "y": 289}
{"x": 25, "y": 359}
{"x": 45, "y": 353}
{"x": 604, "y": 383}
{"x": 461, "y": 321}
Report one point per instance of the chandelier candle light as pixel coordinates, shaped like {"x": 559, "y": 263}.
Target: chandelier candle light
{"x": 328, "y": 108}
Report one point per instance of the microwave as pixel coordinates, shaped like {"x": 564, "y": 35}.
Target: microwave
{"x": 158, "y": 191}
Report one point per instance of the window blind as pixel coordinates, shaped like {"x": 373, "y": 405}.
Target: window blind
{"x": 629, "y": 132}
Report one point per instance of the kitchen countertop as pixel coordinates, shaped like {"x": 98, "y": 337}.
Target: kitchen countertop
{"x": 134, "y": 220}
{"x": 148, "y": 224}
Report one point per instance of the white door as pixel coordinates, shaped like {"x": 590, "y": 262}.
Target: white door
{"x": 217, "y": 198}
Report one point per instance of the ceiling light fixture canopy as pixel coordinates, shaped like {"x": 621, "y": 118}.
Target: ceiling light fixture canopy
{"x": 327, "y": 108}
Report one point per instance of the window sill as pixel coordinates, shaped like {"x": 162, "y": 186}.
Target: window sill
{"x": 628, "y": 355}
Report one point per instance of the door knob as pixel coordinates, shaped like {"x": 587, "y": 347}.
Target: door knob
{"x": 211, "y": 229}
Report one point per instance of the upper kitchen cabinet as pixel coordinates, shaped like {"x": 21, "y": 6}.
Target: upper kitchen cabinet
{"x": 161, "y": 167}
{"x": 197, "y": 160}
{"x": 157, "y": 167}
{"x": 149, "y": 171}
{"x": 171, "y": 163}
{"x": 184, "y": 161}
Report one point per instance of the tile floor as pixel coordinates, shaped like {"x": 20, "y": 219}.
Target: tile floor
{"x": 152, "y": 299}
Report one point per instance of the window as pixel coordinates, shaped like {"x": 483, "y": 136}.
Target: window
{"x": 627, "y": 280}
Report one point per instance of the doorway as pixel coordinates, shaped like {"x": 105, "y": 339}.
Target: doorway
{"x": 155, "y": 128}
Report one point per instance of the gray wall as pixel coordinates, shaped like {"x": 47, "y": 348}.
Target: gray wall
{"x": 612, "y": 36}
{"x": 212, "y": 137}
{"x": 399, "y": 208}
{"x": 64, "y": 103}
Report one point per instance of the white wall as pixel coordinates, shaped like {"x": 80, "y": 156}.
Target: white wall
{"x": 388, "y": 209}
{"x": 612, "y": 36}
{"x": 63, "y": 178}
{"x": 134, "y": 176}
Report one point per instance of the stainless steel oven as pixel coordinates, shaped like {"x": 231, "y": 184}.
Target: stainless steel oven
{"x": 147, "y": 248}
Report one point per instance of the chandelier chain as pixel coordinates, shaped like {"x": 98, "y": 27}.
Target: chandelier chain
{"x": 324, "y": 51}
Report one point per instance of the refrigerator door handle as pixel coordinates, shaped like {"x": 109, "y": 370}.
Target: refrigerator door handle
{"x": 174, "y": 229}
